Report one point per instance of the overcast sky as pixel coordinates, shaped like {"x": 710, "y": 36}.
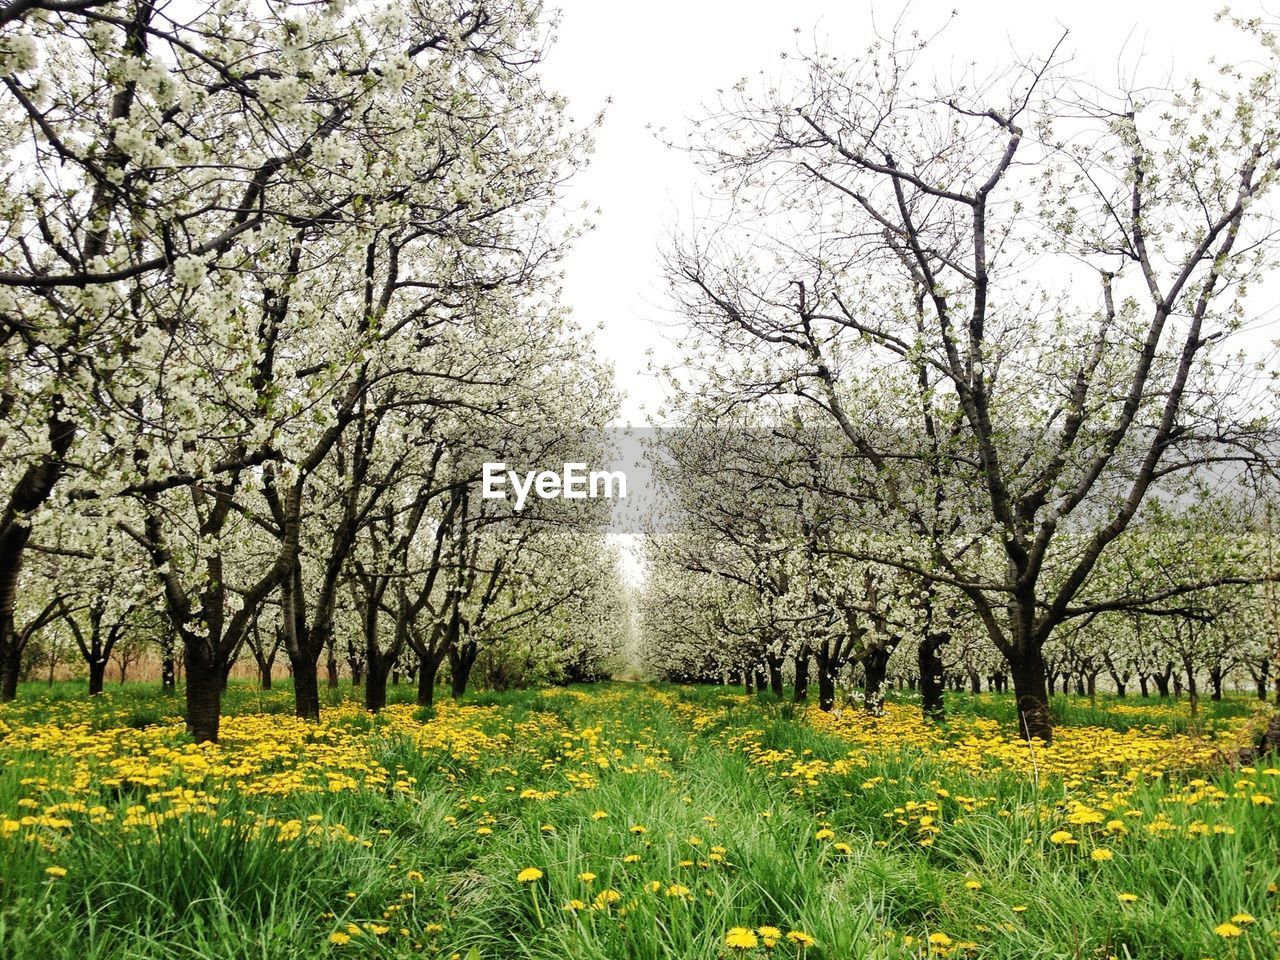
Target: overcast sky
{"x": 659, "y": 60}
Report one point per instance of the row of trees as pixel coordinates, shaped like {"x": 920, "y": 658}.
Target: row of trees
{"x": 971, "y": 358}
{"x": 274, "y": 283}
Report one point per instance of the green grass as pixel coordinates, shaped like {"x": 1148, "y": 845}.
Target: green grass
{"x": 209, "y": 887}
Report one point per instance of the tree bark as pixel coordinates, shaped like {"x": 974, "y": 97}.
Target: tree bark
{"x": 375, "y": 683}
{"x": 427, "y": 681}
{"x": 306, "y": 687}
{"x": 826, "y": 688}
{"x": 775, "y": 675}
{"x": 204, "y": 693}
{"x": 876, "y": 665}
{"x": 10, "y": 670}
{"x": 801, "y": 691}
{"x": 1030, "y": 689}
{"x": 97, "y": 675}
{"x": 461, "y": 659}
{"x": 931, "y": 670}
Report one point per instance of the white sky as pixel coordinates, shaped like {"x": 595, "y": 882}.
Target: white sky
{"x": 659, "y": 60}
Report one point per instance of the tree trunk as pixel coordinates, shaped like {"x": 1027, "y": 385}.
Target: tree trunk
{"x": 747, "y": 680}
{"x": 204, "y": 693}
{"x": 33, "y": 488}
{"x": 1162, "y": 684}
{"x": 264, "y": 675}
{"x": 332, "y": 671}
{"x": 930, "y": 666}
{"x": 775, "y": 676}
{"x": 427, "y": 681}
{"x": 97, "y": 675}
{"x": 875, "y": 666}
{"x": 975, "y": 681}
{"x": 801, "y": 693}
{"x": 461, "y": 659}
{"x": 375, "y": 683}
{"x": 826, "y": 687}
{"x": 1030, "y": 688}
{"x": 10, "y": 670}
{"x": 1215, "y": 681}
{"x": 1143, "y": 688}
{"x": 306, "y": 687}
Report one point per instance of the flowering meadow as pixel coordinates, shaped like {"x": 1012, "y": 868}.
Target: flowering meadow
{"x": 628, "y": 820}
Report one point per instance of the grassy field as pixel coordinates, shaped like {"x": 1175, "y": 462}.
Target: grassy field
{"x": 632, "y": 821}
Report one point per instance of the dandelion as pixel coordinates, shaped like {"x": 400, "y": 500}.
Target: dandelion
{"x": 338, "y": 938}
{"x": 940, "y": 939}
{"x": 586, "y": 876}
{"x": 1227, "y": 930}
{"x": 56, "y": 872}
{"x": 741, "y": 938}
{"x": 824, "y": 834}
{"x": 801, "y": 939}
{"x": 972, "y": 885}
{"x": 1127, "y": 897}
{"x": 677, "y": 890}
{"x": 1244, "y": 918}
{"x": 531, "y": 876}
{"x": 1101, "y": 854}
{"x": 1061, "y": 837}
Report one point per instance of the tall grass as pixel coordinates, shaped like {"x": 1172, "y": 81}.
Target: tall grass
{"x": 215, "y": 887}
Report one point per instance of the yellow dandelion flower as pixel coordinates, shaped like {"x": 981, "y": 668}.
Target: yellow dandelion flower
{"x": 801, "y": 939}
{"x": 741, "y": 938}
{"x": 529, "y": 875}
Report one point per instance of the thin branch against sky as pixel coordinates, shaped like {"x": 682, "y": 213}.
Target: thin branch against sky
{"x": 656, "y": 65}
